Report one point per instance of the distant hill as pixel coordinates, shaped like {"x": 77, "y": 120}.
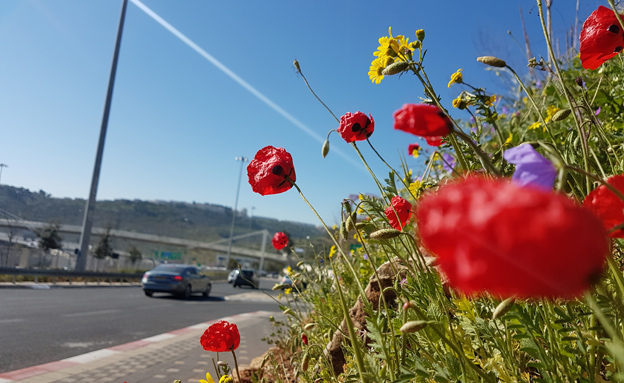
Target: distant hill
{"x": 197, "y": 221}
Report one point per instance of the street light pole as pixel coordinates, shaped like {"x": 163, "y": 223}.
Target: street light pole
{"x": 87, "y": 222}
{"x": 1, "y": 167}
{"x": 240, "y": 175}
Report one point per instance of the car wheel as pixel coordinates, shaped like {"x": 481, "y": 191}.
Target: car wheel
{"x": 148, "y": 293}
{"x": 206, "y": 292}
{"x": 187, "y": 292}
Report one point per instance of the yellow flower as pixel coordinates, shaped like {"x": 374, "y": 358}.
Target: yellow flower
{"x": 287, "y": 291}
{"x": 332, "y": 251}
{"x": 414, "y": 187}
{"x": 509, "y": 139}
{"x": 376, "y": 69}
{"x": 491, "y": 101}
{"x": 208, "y": 379}
{"x": 288, "y": 270}
{"x": 456, "y": 78}
{"x": 459, "y": 102}
{"x": 535, "y": 125}
{"x": 550, "y": 112}
{"x": 335, "y": 227}
{"x": 226, "y": 379}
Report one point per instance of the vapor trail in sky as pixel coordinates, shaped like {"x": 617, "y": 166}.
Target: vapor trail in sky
{"x": 238, "y": 79}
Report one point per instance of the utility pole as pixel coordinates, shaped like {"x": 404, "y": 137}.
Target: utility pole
{"x": 1, "y": 167}
{"x": 240, "y": 174}
{"x": 87, "y": 223}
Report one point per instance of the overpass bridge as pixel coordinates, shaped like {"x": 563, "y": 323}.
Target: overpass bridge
{"x": 220, "y": 246}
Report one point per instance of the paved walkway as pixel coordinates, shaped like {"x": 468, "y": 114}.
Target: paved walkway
{"x": 162, "y": 358}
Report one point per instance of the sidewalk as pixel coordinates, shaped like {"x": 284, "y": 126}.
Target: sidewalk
{"x": 161, "y": 358}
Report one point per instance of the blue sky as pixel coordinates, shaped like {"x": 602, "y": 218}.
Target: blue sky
{"x": 178, "y": 120}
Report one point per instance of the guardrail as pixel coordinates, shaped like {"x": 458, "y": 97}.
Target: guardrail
{"x": 71, "y": 275}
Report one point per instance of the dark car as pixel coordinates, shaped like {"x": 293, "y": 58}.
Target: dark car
{"x": 246, "y": 277}
{"x": 181, "y": 280}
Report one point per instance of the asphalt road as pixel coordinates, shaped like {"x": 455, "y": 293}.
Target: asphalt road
{"x": 45, "y": 325}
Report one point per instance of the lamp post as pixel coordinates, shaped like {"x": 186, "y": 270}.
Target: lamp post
{"x": 87, "y": 222}
{"x": 1, "y": 167}
{"x": 240, "y": 175}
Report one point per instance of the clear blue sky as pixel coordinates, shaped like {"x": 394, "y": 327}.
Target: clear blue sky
{"x": 178, "y": 121}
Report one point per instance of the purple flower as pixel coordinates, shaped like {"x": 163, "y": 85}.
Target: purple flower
{"x": 448, "y": 162}
{"x": 365, "y": 256}
{"x": 597, "y": 111}
{"x": 531, "y": 167}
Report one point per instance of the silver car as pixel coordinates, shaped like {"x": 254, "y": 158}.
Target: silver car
{"x": 181, "y": 280}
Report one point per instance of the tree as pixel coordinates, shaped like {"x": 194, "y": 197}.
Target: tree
{"x": 135, "y": 255}
{"x": 49, "y": 237}
{"x": 104, "y": 248}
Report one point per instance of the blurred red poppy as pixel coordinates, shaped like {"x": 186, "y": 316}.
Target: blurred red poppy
{"x": 411, "y": 148}
{"x": 435, "y": 141}
{"x": 601, "y": 38}
{"x": 221, "y": 337}
{"x": 399, "y": 213}
{"x": 607, "y": 206}
{"x": 271, "y": 171}
{"x": 356, "y": 127}
{"x": 494, "y": 236}
{"x": 422, "y": 120}
{"x": 304, "y": 339}
{"x": 280, "y": 240}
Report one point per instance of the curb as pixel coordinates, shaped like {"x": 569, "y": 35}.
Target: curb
{"x": 52, "y": 371}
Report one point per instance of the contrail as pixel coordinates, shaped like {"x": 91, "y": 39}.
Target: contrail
{"x": 238, "y": 79}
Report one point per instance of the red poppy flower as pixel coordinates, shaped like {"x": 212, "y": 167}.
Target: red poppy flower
{"x": 435, "y": 141}
{"x": 304, "y": 339}
{"x": 411, "y": 148}
{"x": 280, "y": 240}
{"x": 356, "y": 127}
{"x": 399, "y": 213}
{"x": 221, "y": 337}
{"x": 607, "y": 206}
{"x": 495, "y": 236}
{"x": 270, "y": 171}
{"x": 601, "y": 38}
{"x": 422, "y": 120}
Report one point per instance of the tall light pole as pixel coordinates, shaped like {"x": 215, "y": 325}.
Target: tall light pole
{"x": 87, "y": 222}
{"x": 240, "y": 175}
{"x": 1, "y": 167}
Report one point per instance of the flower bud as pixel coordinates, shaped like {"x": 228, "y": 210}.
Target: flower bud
{"x": 309, "y": 326}
{"x": 296, "y": 63}
{"x": 351, "y": 220}
{"x": 561, "y": 115}
{"x": 289, "y": 312}
{"x": 503, "y": 307}
{"x": 492, "y": 61}
{"x": 222, "y": 364}
{"x": 397, "y": 67}
{"x": 385, "y": 234}
{"x": 408, "y": 305}
{"x": 300, "y": 263}
{"x": 305, "y": 362}
{"x": 361, "y": 225}
{"x": 277, "y": 287}
{"x": 420, "y": 34}
{"x": 343, "y": 230}
{"x": 579, "y": 81}
{"x": 413, "y": 326}
{"x": 325, "y": 148}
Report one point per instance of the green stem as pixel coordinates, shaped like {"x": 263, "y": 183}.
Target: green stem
{"x": 453, "y": 347}
{"x": 236, "y": 365}
{"x": 566, "y": 93}
{"x": 354, "y": 343}
{"x": 317, "y": 97}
